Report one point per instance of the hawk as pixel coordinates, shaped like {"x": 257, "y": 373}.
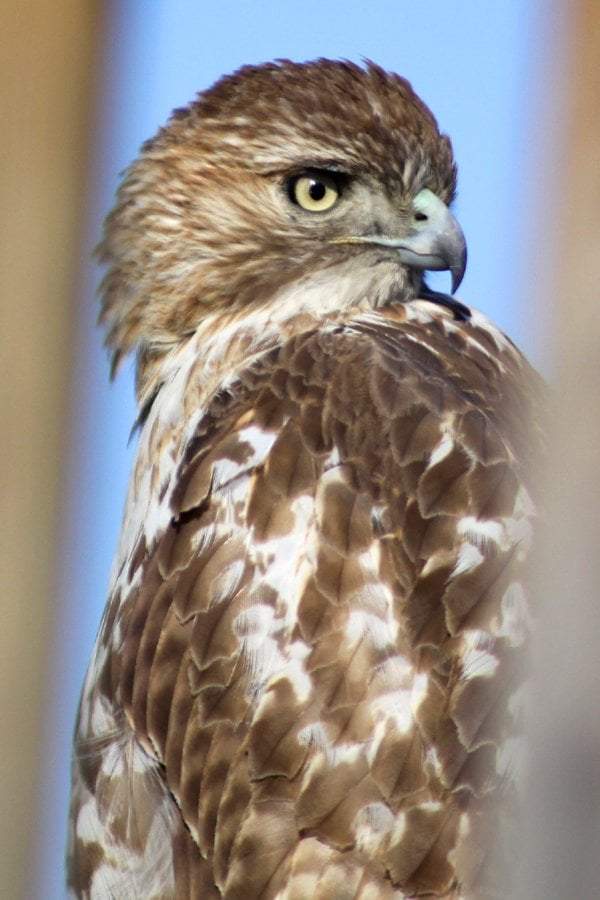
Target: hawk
{"x": 307, "y": 682}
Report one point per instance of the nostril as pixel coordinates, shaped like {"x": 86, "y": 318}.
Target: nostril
{"x": 420, "y": 217}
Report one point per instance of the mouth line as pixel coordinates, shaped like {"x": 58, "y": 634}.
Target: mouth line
{"x": 406, "y": 254}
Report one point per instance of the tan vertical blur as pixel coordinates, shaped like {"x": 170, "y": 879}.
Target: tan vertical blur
{"x": 46, "y": 64}
{"x": 562, "y": 850}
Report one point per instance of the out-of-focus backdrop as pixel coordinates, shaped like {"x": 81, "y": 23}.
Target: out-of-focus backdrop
{"x": 516, "y": 85}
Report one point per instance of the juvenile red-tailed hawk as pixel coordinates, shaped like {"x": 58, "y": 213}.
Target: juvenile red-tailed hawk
{"x": 307, "y": 679}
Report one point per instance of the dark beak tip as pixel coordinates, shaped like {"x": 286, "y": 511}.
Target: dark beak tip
{"x": 458, "y": 273}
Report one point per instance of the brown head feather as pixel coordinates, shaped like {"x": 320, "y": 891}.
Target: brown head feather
{"x": 202, "y": 223}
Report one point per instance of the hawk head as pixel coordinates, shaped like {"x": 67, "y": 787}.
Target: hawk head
{"x": 285, "y": 185}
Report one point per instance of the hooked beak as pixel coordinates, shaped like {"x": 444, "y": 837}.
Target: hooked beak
{"x": 436, "y": 242}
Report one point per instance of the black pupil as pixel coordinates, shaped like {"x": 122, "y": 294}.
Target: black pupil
{"x": 317, "y": 190}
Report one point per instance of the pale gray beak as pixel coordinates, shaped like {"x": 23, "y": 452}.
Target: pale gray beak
{"x": 436, "y": 242}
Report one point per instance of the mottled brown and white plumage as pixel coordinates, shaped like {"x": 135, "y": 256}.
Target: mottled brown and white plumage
{"x": 307, "y": 680}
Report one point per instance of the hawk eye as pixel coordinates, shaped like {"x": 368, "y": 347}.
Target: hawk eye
{"x": 314, "y": 191}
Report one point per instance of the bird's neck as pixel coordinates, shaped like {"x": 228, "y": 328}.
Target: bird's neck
{"x": 227, "y": 337}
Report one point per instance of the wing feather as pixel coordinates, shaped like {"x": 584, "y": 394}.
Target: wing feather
{"x": 318, "y": 653}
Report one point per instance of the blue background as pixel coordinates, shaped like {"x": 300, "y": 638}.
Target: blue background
{"x": 479, "y": 66}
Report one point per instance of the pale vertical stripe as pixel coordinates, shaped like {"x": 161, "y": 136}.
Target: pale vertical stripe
{"x": 561, "y": 855}
{"x": 45, "y": 67}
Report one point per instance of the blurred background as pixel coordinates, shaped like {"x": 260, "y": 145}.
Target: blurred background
{"x": 516, "y": 85}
